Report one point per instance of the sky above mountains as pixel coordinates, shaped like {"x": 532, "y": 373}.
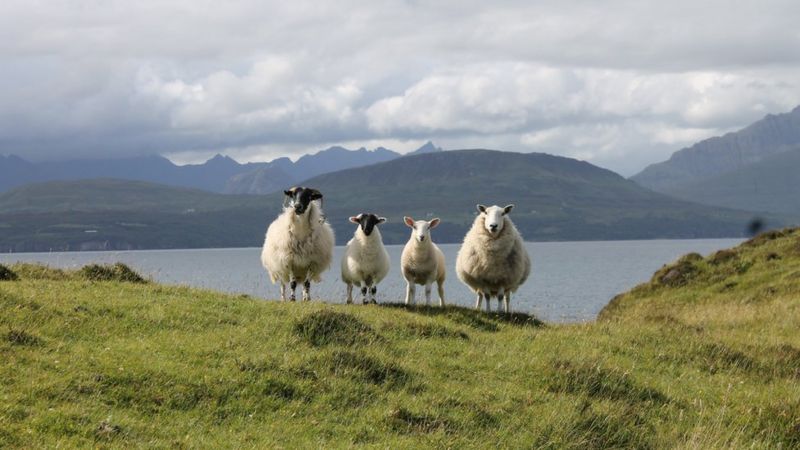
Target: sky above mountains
{"x": 618, "y": 83}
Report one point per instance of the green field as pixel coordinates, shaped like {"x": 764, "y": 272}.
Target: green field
{"x": 705, "y": 355}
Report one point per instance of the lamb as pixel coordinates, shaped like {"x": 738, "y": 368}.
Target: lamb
{"x": 365, "y": 262}
{"x": 493, "y": 261}
{"x": 299, "y": 243}
{"x": 421, "y": 261}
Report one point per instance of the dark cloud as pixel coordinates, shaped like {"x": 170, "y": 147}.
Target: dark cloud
{"x": 620, "y": 83}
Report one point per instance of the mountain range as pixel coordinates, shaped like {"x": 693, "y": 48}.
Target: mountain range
{"x": 754, "y": 169}
{"x": 219, "y": 174}
{"x": 556, "y": 198}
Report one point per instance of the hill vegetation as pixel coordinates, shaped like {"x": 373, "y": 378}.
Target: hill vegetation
{"x": 557, "y": 199}
{"x": 705, "y": 355}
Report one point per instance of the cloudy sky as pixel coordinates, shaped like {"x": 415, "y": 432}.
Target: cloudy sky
{"x": 618, "y": 83}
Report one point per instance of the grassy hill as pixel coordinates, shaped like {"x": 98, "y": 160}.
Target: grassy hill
{"x": 706, "y": 355}
{"x": 771, "y": 185}
{"x": 557, "y": 199}
{"x": 108, "y": 214}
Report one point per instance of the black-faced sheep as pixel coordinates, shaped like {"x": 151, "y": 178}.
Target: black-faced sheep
{"x": 365, "y": 262}
{"x": 299, "y": 243}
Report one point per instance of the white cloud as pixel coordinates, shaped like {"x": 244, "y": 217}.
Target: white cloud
{"x": 620, "y": 83}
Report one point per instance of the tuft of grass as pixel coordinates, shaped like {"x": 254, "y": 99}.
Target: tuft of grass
{"x": 430, "y": 331}
{"x": 35, "y": 271}
{"x": 402, "y": 420}
{"x": 679, "y": 273}
{"x": 22, "y": 337}
{"x": 329, "y": 327}
{"x": 593, "y": 380}
{"x": 115, "y": 272}
{"x": 359, "y": 366}
{"x": 7, "y": 274}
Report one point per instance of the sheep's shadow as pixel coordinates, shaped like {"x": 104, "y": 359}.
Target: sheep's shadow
{"x": 466, "y": 316}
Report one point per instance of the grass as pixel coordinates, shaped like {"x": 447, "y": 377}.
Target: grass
{"x": 704, "y": 355}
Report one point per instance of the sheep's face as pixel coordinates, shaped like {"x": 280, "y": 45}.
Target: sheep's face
{"x": 494, "y": 217}
{"x": 422, "y": 228}
{"x": 367, "y": 222}
{"x": 300, "y": 197}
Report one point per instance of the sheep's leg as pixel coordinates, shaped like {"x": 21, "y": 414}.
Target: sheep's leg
{"x": 428, "y": 293}
{"x": 440, "y": 288}
{"x": 410, "y": 291}
{"x": 293, "y": 286}
{"x": 283, "y": 292}
{"x": 507, "y": 301}
{"x": 364, "y": 291}
{"x": 478, "y": 301}
{"x": 307, "y": 291}
{"x": 349, "y": 293}
{"x": 488, "y": 302}
{"x": 373, "y": 291}
{"x": 500, "y": 299}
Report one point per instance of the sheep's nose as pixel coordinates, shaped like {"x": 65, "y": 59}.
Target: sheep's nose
{"x": 421, "y": 238}
{"x": 493, "y": 227}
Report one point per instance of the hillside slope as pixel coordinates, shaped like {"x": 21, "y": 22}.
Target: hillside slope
{"x": 718, "y": 155}
{"x": 125, "y": 215}
{"x": 557, "y": 198}
{"x": 708, "y": 359}
{"x": 771, "y": 185}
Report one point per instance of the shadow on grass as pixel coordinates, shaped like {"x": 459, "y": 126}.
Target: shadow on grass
{"x": 478, "y": 320}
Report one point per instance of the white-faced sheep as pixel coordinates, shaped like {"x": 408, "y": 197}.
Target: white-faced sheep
{"x": 299, "y": 243}
{"x": 493, "y": 261}
{"x": 422, "y": 262}
{"x": 365, "y": 262}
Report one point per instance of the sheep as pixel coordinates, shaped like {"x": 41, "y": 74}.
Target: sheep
{"x": 299, "y": 243}
{"x": 421, "y": 261}
{"x": 493, "y": 261}
{"x": 365, "y": 261}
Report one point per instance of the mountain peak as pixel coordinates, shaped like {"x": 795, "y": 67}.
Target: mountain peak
{"x": 428, "y": 147}
{"x": 221, "y": 159}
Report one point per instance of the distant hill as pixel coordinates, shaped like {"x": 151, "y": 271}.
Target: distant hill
{"x": 111, "y": 214}
{"x": 557, "y": 199}
{"x": 719, "y": 155}
{"x": 770, "y": 185}
{"x": 218, "y": 174}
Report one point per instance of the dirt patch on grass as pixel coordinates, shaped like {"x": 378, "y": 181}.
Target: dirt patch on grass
{"x": 116, "y": 272}
{"x": 329, "y": 327}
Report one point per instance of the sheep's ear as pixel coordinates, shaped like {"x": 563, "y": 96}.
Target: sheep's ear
{"x": 481, "y": 208}
{"x": 315, "y": 194}
{"x": 355, "y": 219}
{"x": 381, "y": 219}
{"x": 408, "y": 221}
{"x": 434, "y": 223}
{"x": 508, "y": 209}
{"x": 288, "y": 193}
